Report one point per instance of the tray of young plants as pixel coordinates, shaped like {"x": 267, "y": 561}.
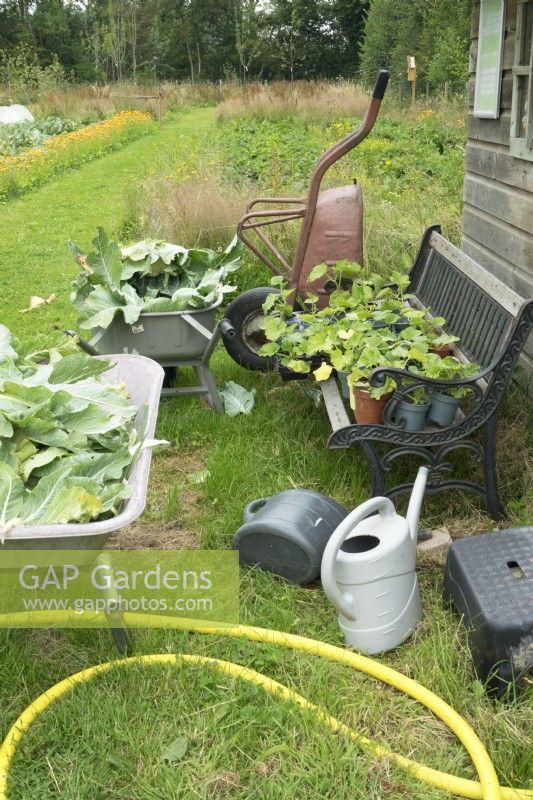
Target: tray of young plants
{"x": 75, "y": 441}
{"x": 372, "y": 324}
{"x": 134, "y": 297}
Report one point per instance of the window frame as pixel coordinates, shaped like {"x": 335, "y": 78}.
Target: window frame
{"x": 522, "y": 146}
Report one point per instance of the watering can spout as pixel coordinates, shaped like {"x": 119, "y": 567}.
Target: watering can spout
{"x": 415, "y": 503}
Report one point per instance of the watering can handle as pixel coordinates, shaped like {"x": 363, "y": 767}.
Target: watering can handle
{"x": 252, "y": 507}
{"x": 344, "y": 602}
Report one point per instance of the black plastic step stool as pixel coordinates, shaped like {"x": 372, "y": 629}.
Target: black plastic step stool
{"x": 489, "y": 580}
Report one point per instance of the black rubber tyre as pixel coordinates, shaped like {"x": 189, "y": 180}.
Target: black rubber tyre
{"x": 245, "y": 314}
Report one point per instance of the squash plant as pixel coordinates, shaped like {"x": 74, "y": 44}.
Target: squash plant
{"x": 448, "y": 369}
{"x": 148, "y": 276}
{"x": 365, "y": 326}
{"x": 371, "y": 324}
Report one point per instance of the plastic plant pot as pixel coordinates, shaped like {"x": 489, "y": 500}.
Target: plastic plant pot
{"x": 368, "y": 410}
{"x": 443, "y": 408}
{"x": 411, "y": 416}
{"x": 143, "y": 379}
{"x": 166, "y": 337}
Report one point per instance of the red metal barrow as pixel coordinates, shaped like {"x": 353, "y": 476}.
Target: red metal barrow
{"x": 331, "y": 230}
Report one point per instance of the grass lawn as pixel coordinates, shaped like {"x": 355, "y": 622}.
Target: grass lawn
{"x": 105, "y": 740}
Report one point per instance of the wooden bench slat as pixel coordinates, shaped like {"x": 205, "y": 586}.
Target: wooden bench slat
{"x": 501, "y": 293}
{"x": 334, "y": 404}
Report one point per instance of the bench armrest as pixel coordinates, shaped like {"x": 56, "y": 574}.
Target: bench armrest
{"x": 405, "y": 379}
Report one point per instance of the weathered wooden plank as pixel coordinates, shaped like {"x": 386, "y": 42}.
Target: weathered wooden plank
{"x": 506, "y": 93}
{"x": 474, "y": 19}
{"x": 490, "y": 130}
{"x": 510, "y": 15}
{"x": 513, "y": 277}
{"x": 499, "y": 237}
{"x": 334, "y": 404}
{"x": 486, "y": 280}
{"x": 510, "y": 205}
{"x": 494, "y": 161}
{"x": 523, "y": 282}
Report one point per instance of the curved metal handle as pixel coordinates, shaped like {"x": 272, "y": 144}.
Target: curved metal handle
{"x": 344, "y": 601}
{"x": 381, "y": 84}
{"x": 252, "y": 507}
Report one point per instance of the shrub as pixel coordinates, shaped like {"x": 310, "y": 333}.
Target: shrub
{"x": 24, "y": 80}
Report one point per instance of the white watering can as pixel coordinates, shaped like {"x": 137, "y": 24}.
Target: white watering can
{"x": 368, "y": 572}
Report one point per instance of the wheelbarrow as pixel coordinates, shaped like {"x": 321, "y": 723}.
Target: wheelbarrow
{"x": 331, "y": 231}
{"x": 143, "y": 379}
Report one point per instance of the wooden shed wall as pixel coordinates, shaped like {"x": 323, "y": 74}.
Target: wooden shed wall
{"x": 498, "y": 189}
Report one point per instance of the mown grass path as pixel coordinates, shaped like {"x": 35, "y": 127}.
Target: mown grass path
{"x": 34, "y": 228}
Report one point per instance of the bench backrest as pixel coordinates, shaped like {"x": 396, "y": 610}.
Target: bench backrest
{"x": 478, "y": 307}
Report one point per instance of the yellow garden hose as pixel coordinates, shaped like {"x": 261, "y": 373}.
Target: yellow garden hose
{"x": 488, "y": 787}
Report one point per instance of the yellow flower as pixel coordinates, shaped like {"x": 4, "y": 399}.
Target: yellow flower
{"x": 323, "y": 372}
{"x": 345, "y": 334}
{"x": 103, "y": 131}
{"x": 388, "y": 162}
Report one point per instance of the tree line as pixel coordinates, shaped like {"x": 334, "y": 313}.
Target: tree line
{"x": 102, "y": 41}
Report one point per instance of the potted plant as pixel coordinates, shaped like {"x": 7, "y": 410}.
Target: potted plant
{"x": 446, "y": 401}
{"x": 411, "y": 416}
{"x": 142, "y": 298}
{"x": 369, "y": 325}
{"x": 369, "y": 402}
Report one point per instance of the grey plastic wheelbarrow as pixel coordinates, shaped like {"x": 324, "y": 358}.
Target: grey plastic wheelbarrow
{"x": 174, "y": 339}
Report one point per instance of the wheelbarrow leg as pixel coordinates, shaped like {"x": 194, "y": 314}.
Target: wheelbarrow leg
{"x": 207, "y": 379}
{"x": 122, "y": 640}
{"x": 118, "y": 630}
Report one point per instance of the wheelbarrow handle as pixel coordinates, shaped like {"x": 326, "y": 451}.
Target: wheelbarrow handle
{"x": 381, "y": 84}
{"x": 83, "y": 344}
{"x": 226, "y": 328}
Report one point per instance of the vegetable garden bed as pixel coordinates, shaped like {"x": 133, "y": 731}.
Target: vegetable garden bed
{"x": 34, "y": 166}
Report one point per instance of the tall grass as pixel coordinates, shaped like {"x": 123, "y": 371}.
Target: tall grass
{"x": 310, "y": 100}
{"x": 90, "y": 102}
{"x": 313, "y": 101}
{"x": 198, "y": 211}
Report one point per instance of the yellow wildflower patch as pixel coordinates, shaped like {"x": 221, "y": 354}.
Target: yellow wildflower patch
{"x": 70, "y": 149}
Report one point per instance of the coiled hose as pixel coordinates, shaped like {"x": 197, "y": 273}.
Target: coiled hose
{"x": 488, "y": 787}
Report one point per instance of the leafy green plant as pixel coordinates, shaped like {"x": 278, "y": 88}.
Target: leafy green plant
{"x": 449, "y": 369}
{"x": 18, "y": 136}
{"x": 148, "y": 276}
{"x": 365, "y": 326}
{"x": 369, "y": 325}
{"x": 67, "y": 438}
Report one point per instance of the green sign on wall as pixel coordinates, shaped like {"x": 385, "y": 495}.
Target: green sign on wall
{"x": 489, "y": 59}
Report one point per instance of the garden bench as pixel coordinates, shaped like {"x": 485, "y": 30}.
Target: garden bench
{"x": 493, "y": 323}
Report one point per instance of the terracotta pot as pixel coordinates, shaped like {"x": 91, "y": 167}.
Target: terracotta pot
{"x": 443, "y": 351}
{"x": 369, "y": 411}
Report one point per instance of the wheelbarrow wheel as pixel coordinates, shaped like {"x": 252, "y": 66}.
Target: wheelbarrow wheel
{"x": 246, "y": 314}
